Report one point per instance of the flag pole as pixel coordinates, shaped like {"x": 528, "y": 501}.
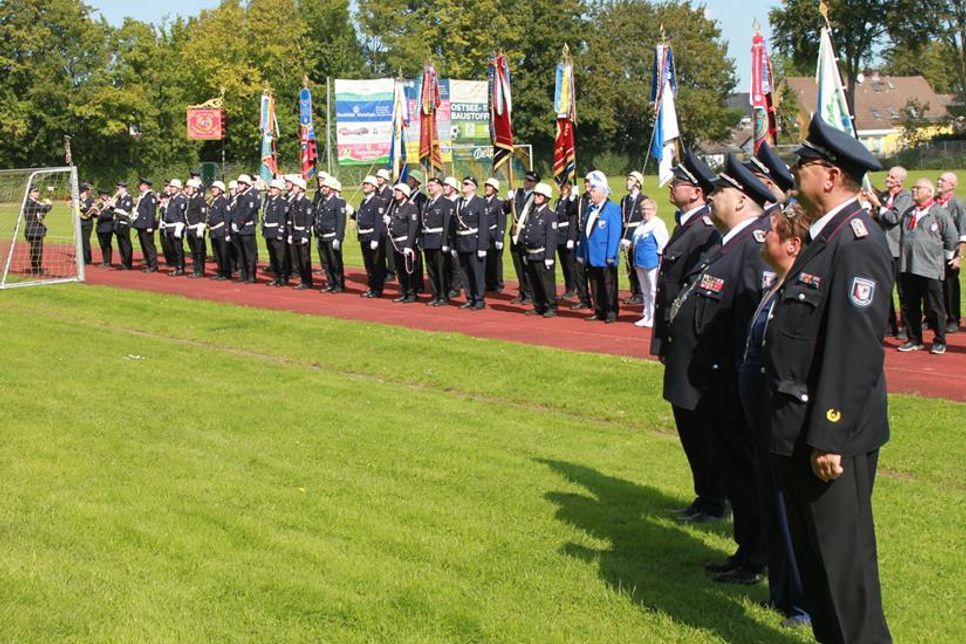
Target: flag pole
{"x": 657, "y": 109}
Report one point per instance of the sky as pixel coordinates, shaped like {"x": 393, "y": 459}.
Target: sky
{"x": 736, "y": 25}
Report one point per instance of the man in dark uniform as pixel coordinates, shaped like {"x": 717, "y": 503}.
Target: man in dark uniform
{"x": 707, "y": 324}
{"x": 472, "y": 240}
{"x": 123, "y": 216}
{"x": 581, "y": 280}
{"x": 145, "y": 221}
{"x": 568, "y": 230}
{"x": 330, "y": 219}
{"x": 454, "y": 276}
{"x": 301, "y": 218}
{"x": 434, "y": 240}
{"x": 769, "y": 168}
{"x": 275, "y": 231}
{"x": 175, "y": 226}
{"x": 196, "y": 217}
{"x": 372, "y": 230}
{"x": 518, "y": 206}
{"x": 163, "y": 198}
{"x": 384, "y": 192}
{"x": 87, "y": 214}
{"x": 631, "y": 217}
{"x": 825, "y": 388}
{"x": 415, "y": 180}
{"x": 35, "y": 229}
{"x": 104, "y": 228}
{"x": 219, "y": 221}
{"x": 402, "y": 225}
{"x": 692, "y": 237}
{"x": 496, "y": 223}
{"x": 244, "y": 221}
{"x": 539, "y": 240}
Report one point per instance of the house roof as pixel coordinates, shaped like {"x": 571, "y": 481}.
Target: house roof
{"x": 879, "y": 100}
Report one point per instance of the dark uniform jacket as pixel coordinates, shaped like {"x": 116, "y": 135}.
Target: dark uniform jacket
{"x": 275, "y": 218}
{"x": 85, "y": 207}
{"x": 196, "y": 213}
{"x": 147, "y": 211}
{"x": 105, "y": 218}
{"x": 35, "y": 212}
{"x": 330, "y": 219}
{"x": 471, "y": 233}
{"x": 245, "y": 213}
{"x": 631, "y": 213}
{"x": 495, "y": 218}
{"x": 369, "y": 219}
{"x": 302, "y": 215}
{"x": 824, "y": 382}
{"x": 709, "y": 318}
{"x": 539, "y": 236}
{"x": 219, "y": 219}
{"x": 568, "y": 228}
{"x": 123, "y": 215}
{"x": 684, "y": 248}
{"x": 433, "y": 233}
{"x": 419, "y": 200}
{"x": 174, "y": 213}
{"x": 403, "y": 225}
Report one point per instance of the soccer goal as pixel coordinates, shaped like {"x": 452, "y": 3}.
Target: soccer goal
{"x": 40, "y": 232}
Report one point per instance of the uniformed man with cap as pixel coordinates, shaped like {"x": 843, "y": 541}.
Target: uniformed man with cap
{"x": 472, "y": 240}
{"x": 123, "y": 217}
{"x": 454, "y": 280}
{"x": 275, "y": 229}
{"x": 196, "y": 218}
{"x": 769, "y": 168}
{"x": 496, "y": 223}
{"x": 384, "y": 192}
{"x": 519, "y": 204}
{"x": 243, "y": 222}
{"x": 219, "y": 222}
{"x": 581, "y": 279}
{"x": 414, "y": 179}
{"x": 87, "y": 215}
{"x": 631, "y": 217}
{"x": 145, "y": 221}
{"x": 434, "y": 238}
{"x": 104, "y": 227}
{"x": 35, "y": 229}
{"x": 539, "y": 239}
{"x": 164, "y": 196}
{"x": 402, "y": 223}
{"x": 174, "y": 225}
{"x": 568, "y": 229}
{"x": 330, "y": 219}
{"x": 825, "y": 390}
{"x": 708, "y": 321}
{"x": 694, "y": 235}
{"x": 372, "y": 231}
{"x": 301, "y": 219}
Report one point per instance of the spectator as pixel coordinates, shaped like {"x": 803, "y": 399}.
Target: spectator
{"x": 649, "y": 240}
{"x": 945, "y": 197}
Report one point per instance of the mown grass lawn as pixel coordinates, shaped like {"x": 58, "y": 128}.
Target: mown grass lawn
{"x": 183, "y": 470}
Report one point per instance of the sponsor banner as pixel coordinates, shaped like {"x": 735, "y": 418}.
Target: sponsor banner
{"x": 443, "y": 126}
{"x": 470, "y": 112}
{"x": 363, "y": 120}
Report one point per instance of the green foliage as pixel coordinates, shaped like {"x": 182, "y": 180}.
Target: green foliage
{"x": 929, "y": 38}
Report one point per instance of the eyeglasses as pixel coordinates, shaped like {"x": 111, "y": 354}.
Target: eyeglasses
{"x": 804, "y": 164}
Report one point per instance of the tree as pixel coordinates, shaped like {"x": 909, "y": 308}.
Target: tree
{"x": 935, "y": 34}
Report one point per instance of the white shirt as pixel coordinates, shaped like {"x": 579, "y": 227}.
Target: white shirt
{"x": 816, "y": 228}
{"x": 737, "y": 229}
{"x": 655, "y": 226}
{"x": 686, "y": 216}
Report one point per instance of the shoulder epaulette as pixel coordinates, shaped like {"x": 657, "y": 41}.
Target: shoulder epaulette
{"x": 859, "y": 229}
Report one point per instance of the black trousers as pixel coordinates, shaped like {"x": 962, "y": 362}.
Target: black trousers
{"x": 633, "y": 283}
{"x": 177, "y": 249}
{"x": 332, "y": 263}
{"x": 375, "y": 266}
{"x": 199, "y": 252}
{"x": 167, "y": 248}
{"x": 436, "y": 268}
{"x": 124, "y": 247}
{"x": 895, "y": 322}
{"x": 582, "y": 282}
{"x": 36, "y": 254}
{"x": 834, "y": 540}
{"x": 454, "y": 271}
{"x": 518, "y": 253}
{"x": 247, "y": 256}
{"x": 407, "y": 280}
{"x": 565, "y": 257}
{"x": 86, "y": 230}
{"x": 474, "y": 275}
{"x": 148, "y": 249}
{"x": 951, "y": 290}
{"x": 603, "y": 287}
{"x": 494, "y": 267}
{"x": 107, "y": 248}
{"x": 387, "y": 258}
{"x": 418, "y": 281}
{"x": 219, "y": 247}
{"x": 916, "y": 288}
{"x": 278, "y": 258}
{"x": 302, "y": 261}
{"x": 544, "y": 287}
{"x": 695, "y": 431}
{"x": 234, "y": 253}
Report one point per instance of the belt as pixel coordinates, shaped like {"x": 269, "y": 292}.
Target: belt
{"x": 630, "y": 224}
{"x": 565, "y": 224}
{"x": 534, "y": 251}
{"x": 400, "y": 238}
{"x": 267, "y": 225}
{"x": 217, "y": 226}
{"x": 365, "y": 231}
{"x": 432, "y": 231}
{"x": 471, "y": 231}
{"x": 493, "y": 227}
{"x": 299, "y": 227}
{"x": 327, "y": 235}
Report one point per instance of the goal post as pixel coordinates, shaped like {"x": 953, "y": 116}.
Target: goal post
{"x": 40, "y": 232}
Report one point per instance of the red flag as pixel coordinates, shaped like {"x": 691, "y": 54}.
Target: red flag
{"x": 501, "y": 131}
{"x": 763, "y": 108}
{"x": 429, "y": 102}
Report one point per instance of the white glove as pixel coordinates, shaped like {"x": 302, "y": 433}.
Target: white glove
{"x": 227, "y": 238}
{"x": 625, "y": 244}
{"x": 499, "y": 245}
{"x": 481, "y": 254}
{"x": 149, "y": 230}
{"x": 548, "y": 263}
{"x": 454, "y": 253}
{"x": 445, "y": 249}
{"x": 234, "y": 227}
{"x": 570, "y": 244}
{"x": 349, "y": 210}
{"x": 580, "y": 260}
{"x": 200, "y": 232}
{"x": 373, "y": 245}
{"x": 408, "y": 252}
{"x": 336, "y": 244}
{"x": 386, "y": 219}
{"x": 290, "y": 239}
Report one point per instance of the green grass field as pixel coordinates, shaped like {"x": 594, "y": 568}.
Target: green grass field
{"x": 184, "y": 470}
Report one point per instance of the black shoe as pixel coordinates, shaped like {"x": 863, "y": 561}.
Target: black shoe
{"x": 325, "y": 289}
{"x": 952, "y": 328}
{"x": 468, "y": 305}
{"x": 568, "y": 294}
{"x": 410, "y": 300}
{"x": 549, "y": 313}
{"x": 902, "y": 335}
{"x": 729, "y": 564}
{"x": 453, "y": 293}
{"x": 151, "y": 269}
{"x": 610, "y": 319}
{"x": 177, "y": 273}
{"x": 911, "y": 346}
{"x": 634, "y": 299}
{"x": 195, "y": 276}
{"x": 401, "y": 298}
{"x": 336, "y": 289}
{"x": 740, "y": 575}
{"x": 517, "y": 300}
{"x": 796, "y": 621}
{"x": 479, "y": 306}
{"x": 302, "y": 287}
{"x": 699, "y": 517}
{"x": 580, "y": 306}
{"x": 938, "y": 348}
{"x": 532, "y": 312}
{"x": 432, "y": 303}
{"x": 591, "y": 318}
{"x": 526, "y": 300}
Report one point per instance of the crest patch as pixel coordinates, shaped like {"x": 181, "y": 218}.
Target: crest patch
{"x": 859, "y": 229}
{"x": 759, "y": 236}
{"x": 711, "y": 283}
{"x": 833, "y": 415}
{"x": 602, "y": 224}
{"x": 861, "y": 292}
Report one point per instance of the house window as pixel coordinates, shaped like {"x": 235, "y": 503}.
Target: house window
{"x": 876, "y": 114}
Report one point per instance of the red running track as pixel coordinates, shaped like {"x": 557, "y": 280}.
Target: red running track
{"x": 916, "y": 373}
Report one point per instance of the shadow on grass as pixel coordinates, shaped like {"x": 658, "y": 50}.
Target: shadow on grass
{"x": 657, "y": 564}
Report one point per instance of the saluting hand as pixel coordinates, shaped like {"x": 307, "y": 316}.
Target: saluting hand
{"x": 826, "y": 466}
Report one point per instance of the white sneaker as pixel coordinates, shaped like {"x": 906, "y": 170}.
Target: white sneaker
{"x": 642, "y": 322}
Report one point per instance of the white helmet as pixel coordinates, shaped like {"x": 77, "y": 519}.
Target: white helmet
{"x": 219, "y": 185}
{"x": 175, "y": 183}
{"x": 493, "y": 182}
{"x": 298, "y": 181}
{"x": 451, "y": 182}
{"x": 333, "y": 184}
{"x": 384, "y": 174}
{"x": 403, "y": 188}
{"x": 244, "y": 178}
{"x": 277, "y": 183}
{"x": 543, "y": 189}
{"x": 371, "y": 180}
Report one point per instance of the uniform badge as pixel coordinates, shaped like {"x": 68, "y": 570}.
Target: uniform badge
{"x": 768, "y": 279}
{"x": 711, "y": 283}
{"x": 859, "y": 229}
{"x": 601, "y": 224}
{"x": 413, "y": 217}
{"x": 861, "y": 292}
{"x": 553, "y": 225}
{"x": 833, "y": 415}
{"x": 759, "y": 235}
{"x": 707, "y": 220}
{"x": 809, "y": 280}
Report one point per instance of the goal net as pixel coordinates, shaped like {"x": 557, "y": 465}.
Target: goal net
{"x": 40, "y": 229}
